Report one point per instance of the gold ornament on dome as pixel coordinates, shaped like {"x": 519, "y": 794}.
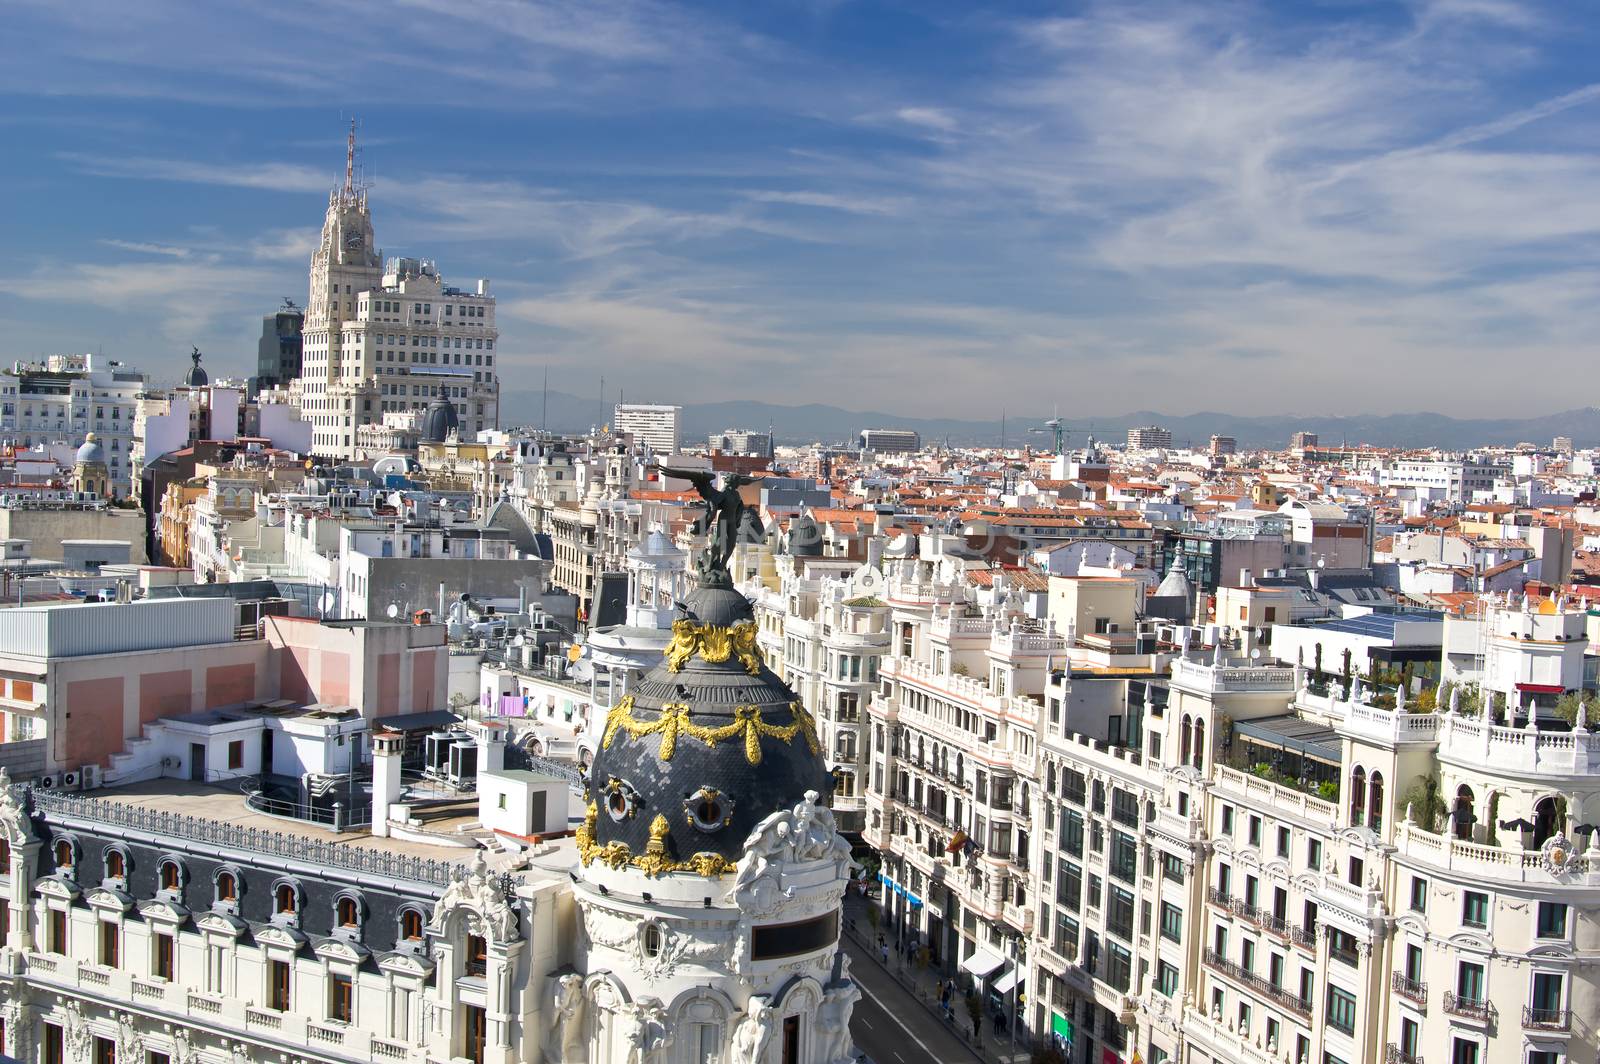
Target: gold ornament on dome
{"x": 653, "y": 862}
{"x": 714, "y": 644}
{"x": 747, "y": 724}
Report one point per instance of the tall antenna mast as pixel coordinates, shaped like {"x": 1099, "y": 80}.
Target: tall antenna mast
{"x": 350, "y": 162}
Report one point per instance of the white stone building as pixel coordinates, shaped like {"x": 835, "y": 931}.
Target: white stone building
{"x": 388, "y": 337}
{"x": 64, "y": 398}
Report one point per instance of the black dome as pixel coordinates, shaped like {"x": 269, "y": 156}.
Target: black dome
{"x": 711, "y": 749}
{"x": 805, "y": 538}
{"x": 439, "y": 421}
{"x": 196, "y": 377}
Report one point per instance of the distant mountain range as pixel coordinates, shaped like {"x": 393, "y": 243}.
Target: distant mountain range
{"x": 831, "y": 424}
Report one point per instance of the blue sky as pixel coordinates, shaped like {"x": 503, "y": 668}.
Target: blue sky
{"x": 930, "y": 208}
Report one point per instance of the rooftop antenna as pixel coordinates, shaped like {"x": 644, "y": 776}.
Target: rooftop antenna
{"x": 544, "y": 403}
{"x": 350, "y": 162}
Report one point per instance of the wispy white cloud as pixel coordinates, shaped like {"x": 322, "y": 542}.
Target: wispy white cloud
{"x": 930, "y": 117}
{"x": 848, "y": 204}
{"x": 144, "y": 248}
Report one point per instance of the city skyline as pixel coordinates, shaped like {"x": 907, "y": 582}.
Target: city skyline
{"x": 1342, "y": 211}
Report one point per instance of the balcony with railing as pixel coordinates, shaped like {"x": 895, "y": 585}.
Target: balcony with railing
{"x": 1536, "y": 1019}
{"x": 1470, "y": 1008}
{"x": 1393, "y": 1054}
{"x": 1280, "y": 996}
{"x": 1412, "y": 990}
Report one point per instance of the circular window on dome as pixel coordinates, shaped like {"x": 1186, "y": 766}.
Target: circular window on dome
{"x": 622, "y": 801}
{"x": 708, "y": 809}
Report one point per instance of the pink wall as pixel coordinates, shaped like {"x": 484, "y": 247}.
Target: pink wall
{"x": 334, "y": 688}
{"x": 95, "y": 725}
{"x": 165, "y": 694}
{"x": 228, "y": 685}
{"x": 388, "y": 684}
{"x": 422, "y": 674}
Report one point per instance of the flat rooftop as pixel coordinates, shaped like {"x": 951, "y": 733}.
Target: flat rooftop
{"x": 225, "y": 806}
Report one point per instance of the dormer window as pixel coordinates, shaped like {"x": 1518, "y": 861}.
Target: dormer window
{"x": 64, "y": 855}
{"x": 171, "y": 877}
{"x": 284, "y": 898}
{"x": 116, "y": 865}
{"x": 349, "y": 913}
{"x": 411, "y": 925}
{"x": 227, "y": 888}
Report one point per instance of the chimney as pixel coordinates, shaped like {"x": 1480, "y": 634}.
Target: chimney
{"x": 387, "y": 748}
{"x": 491, "y": 748}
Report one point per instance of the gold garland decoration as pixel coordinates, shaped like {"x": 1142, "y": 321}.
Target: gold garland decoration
{"x": 714, "y": 644}
{"x": 654, "y": 862}
{"x": 675, "y": 720}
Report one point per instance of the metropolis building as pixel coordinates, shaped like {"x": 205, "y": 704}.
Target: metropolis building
{"x": 686, "y": 911}
{"x": 388, "y": 337}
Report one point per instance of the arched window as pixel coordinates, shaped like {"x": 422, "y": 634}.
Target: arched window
{"x": 349, "y": 912}
{"x": 1199, "y": 743}
{"x": 1547, "y": 817}
{"x": 171, "y": 875}
{"x": 227, "y": 887}
{"x": 411, "y": 925}
{"x": 283, "y": 898}
{"x": 1358, "y": 796}
{"x": 63, "y": 854}
{"x": 1463, "y": 814}
{"x": 1375, "y": 801}
{"x": 1186, "y": 746}
{"x": 116, "y": 865}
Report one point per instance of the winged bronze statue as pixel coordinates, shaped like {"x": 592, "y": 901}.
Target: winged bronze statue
{"x": 727, "y": 521}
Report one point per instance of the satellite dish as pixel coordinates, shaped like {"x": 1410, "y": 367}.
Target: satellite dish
{"x": 394, "y": 611}
{"x": 327, "y": 601}
{"x": 1255, "y": 655}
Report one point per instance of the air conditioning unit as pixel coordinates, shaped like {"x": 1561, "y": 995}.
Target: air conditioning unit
{"x": 91, "y": 777}
{"x": 170, "y": 762}
{"x": 70, "y": 781}
{"x": 47, "y": 782}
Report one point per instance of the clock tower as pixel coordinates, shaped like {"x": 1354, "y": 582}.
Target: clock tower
{"x": 347, "y": 262}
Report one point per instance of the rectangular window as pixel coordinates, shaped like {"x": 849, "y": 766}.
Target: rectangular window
{"x": 1227, "y": 820}
{"x": 105, "y": 1051}
{"x": 58, "y": 931}
{"x": 1469, "y": 981}
{"x": 1547, "y": 1009}
{"x": 1171, "y": 922}
{"x": 1283, "y": 842}
{"x": 53, "y": 1047}
{"x": 1463, "y": 1052}
{"x": 1314, "y": 854}
{"x": 163, "y": 962}
{"x": 1552, "y": 919}
{"x": 477, "y": 955}
{"x": 236, "y": 754}
{"x": 278, "y": 985}
{"x": 341, "y": 998}
{"x": 1341, "y": 1010}
{"x": 109, "y": 941}
{"x": 474, "y": 1033}
{"x": 1475, "y": 909}
{"x": 1419, "y": 894}
{"x": 1166, "y": 978}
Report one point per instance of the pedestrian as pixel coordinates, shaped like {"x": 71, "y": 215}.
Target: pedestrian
{"x": 883, "y": 951}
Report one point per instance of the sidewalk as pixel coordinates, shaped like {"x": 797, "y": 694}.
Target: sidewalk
{"x": 922, "y": 986}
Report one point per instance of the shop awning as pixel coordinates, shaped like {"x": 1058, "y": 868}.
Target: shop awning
{"x": 983, "y": 961}
{"x": 1541, "y": 688}
{"x": 1004, "y": 984}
